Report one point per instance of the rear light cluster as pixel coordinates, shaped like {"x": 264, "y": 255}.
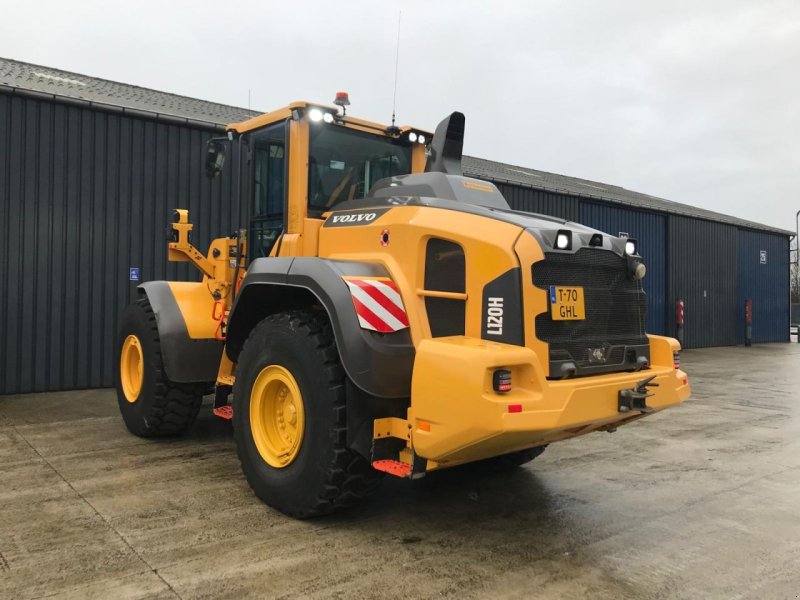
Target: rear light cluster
{"x": 501, "y": 380}
{"x": 676, "y": 360}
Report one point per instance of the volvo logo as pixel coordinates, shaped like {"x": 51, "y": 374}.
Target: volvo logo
{"x": 345, "y": 219}
{"x": 366, "y": 217}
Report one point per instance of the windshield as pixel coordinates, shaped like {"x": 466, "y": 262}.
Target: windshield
{"x": 344, "y": 164}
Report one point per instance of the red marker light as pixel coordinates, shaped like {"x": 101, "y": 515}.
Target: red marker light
{"x": 515, "y": 408}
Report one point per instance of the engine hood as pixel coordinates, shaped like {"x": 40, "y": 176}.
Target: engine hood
{"x": 474, "y": 196}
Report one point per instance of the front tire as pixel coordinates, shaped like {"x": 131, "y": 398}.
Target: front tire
{"x": 151, "y": 404}
{"x": 289, "y": 418}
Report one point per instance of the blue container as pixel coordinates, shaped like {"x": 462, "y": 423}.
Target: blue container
{"x": 649, "y": 230}
{"x": 763, "y": 277}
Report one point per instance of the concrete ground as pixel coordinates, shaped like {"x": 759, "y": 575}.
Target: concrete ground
{"x": 701, "y": 501}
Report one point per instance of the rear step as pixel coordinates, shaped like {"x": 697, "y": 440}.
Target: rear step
{"x": 393, "y": 467}
{"x": 224, "y": 412}
{"x": 391, "y": 449}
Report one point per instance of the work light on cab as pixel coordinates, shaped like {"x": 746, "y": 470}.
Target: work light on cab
{"x": 315, "y": 115}
{"x": 414, "y": 137}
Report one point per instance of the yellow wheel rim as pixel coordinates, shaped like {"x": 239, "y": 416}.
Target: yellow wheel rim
{"x": 277, "y": 416}
{"x": 131, "y": 367}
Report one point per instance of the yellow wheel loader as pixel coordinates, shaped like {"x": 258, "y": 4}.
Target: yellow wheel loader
{"x": 382, "y": 313}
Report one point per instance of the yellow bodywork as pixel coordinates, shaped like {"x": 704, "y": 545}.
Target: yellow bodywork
{"x": 410, "y": 228}
{"x": 464, "y": 419}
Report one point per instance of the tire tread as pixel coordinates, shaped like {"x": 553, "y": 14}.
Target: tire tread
{"x": 174, "y": 405}
{"x": 349, "y": 476}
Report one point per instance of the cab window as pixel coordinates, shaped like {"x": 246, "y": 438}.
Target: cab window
{"x": 345, "y": 163}
{"x": 269, "y": 189}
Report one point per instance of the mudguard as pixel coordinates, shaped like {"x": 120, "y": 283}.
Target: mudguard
{"x": 379, "y": 364}
{"x": 186, "y": 359}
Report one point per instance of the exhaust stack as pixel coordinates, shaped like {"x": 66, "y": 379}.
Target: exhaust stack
{"x": 447, "y": 145}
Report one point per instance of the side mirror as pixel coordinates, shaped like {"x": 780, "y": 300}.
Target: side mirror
{"x": 215, "y": 156}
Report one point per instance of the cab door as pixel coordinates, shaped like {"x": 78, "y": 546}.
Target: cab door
{"x": 268, "y": 160}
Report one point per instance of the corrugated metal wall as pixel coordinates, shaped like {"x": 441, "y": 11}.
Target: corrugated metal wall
{"x": 649, "y": 229}
{"x": 84, "y": 196}
{"x": 763, "y": 277}
{"x": 701, "y": 269}
{"x": 538, "y": 201}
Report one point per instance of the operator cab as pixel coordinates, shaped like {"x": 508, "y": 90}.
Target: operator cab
{"x": 302, "y": 161}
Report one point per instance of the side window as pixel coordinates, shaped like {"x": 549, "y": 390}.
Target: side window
{"x": 269, "y": 189}
{"x": 445, "y": 271}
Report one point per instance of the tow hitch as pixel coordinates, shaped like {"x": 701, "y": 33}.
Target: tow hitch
{"x": 635, "y": 398}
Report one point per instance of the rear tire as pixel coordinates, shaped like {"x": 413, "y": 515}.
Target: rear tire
{"x": 151, "y": 404}
{"x": 295, "y": 457}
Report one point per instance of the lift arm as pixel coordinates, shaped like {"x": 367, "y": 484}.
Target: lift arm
{"x": 180, "y": 250}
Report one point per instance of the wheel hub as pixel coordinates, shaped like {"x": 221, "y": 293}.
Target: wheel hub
{"x": 131, "y": 368}
{"x": 276, "y": 416}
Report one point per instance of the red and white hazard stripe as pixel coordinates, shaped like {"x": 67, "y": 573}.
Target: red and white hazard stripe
{"x": 378, "y": 304}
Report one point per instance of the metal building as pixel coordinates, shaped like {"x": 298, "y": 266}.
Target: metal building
{"x": 89, "y": 170}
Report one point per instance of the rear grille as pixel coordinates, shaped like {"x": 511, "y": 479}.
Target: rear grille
{"x": 615, "y": 311}
{"x": 445, "y": 271}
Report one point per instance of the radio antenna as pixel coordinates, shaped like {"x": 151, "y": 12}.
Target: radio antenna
{"x": 396, "y": 65}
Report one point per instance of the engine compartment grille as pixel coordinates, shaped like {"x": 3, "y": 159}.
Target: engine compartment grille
{"x": 615, "y": 309}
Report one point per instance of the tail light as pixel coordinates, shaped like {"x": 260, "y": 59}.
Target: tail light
{"x": 501, "y": 380}
{"x": 676, "y": 360}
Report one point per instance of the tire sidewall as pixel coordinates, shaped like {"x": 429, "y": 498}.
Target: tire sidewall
{"x": 136, "y": 321}
{"x": 278, "y": 341}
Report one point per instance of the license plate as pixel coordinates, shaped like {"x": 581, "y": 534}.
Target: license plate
{"x": 566, "y": 303}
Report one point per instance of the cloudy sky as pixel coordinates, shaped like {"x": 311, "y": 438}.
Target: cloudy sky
{"x": 698, "y": 101}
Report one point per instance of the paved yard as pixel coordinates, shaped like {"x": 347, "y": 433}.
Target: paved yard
{"x": 699, "y": 501}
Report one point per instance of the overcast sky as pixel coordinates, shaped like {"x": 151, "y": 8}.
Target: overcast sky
{"x": 697, "y": 102}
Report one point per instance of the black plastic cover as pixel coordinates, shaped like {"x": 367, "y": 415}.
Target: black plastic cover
{"x": 186, "y": 360}
{"x": 380, "y": 364}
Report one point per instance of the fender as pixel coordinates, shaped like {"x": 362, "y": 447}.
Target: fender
{"x": 186, "y": 359}
{"x": 378, "y": 364}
